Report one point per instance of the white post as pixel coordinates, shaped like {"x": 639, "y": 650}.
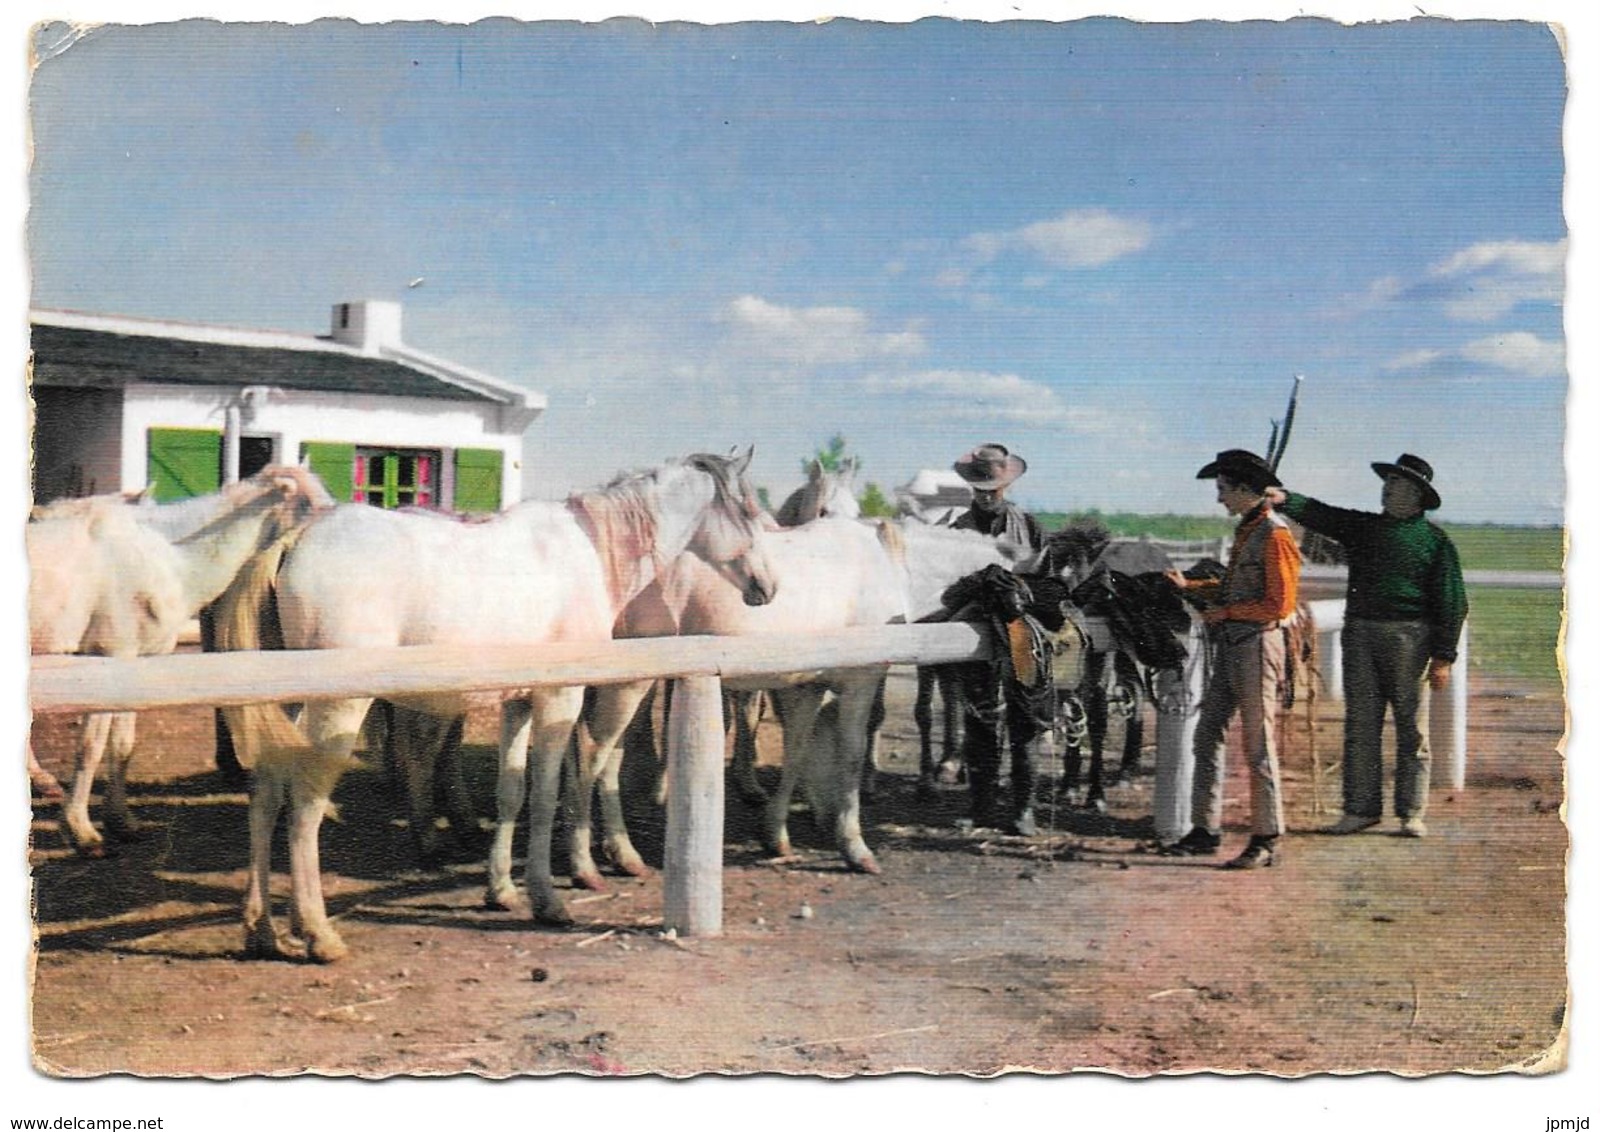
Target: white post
{"x": 1447, "y": 718}
{"x": 1327, "y": 616}
{"x": 1178, "y": 696}
{"x": 232, "y": 424}
{"x": 692, "y": 880}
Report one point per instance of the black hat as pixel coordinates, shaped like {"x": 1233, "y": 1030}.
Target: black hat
{"x": 989, "y": 467}
{"x": 1418, "y": 471}
{"x": 1241, "y": 467}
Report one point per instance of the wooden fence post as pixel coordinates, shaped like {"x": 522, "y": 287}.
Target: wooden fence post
{"x": 1177, "y": 711}
{"x": 692, "y": 881}
{"x": 1447, "y": 719}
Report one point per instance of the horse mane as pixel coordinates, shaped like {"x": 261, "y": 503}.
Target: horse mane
{"x": 893, "y": 541}
{"x": 622, "y": 524}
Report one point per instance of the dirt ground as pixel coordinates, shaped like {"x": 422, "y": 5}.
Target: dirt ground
{"x": 971, "y": 954}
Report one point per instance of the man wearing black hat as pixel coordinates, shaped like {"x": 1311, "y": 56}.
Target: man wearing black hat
{"x": 1405, "y": 604}
{"x": 990, "y": 469}
{"x": 1244, "y": 608}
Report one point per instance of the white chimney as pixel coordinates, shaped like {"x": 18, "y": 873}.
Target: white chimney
{"x": 367, "y": 325}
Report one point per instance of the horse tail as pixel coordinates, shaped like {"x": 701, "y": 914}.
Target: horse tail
{"x": 262, "y": 733}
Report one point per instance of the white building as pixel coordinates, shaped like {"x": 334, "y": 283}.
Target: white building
{"x": 123, "y": 404}
{"x": 935, "y": 496}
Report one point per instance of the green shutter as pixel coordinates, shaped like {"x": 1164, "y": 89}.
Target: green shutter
{"x": 181, "y": 463}
{"x": 334, "y": 464}
{"x": 477, "y": 479}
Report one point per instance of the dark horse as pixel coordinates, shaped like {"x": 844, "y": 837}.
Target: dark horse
{"x": 1122, "y": 621}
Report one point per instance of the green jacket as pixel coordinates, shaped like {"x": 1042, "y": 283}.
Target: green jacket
{"x": 1400, "y": 569}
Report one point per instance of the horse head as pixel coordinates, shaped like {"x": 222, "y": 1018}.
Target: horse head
{"x": 729, "y": 536}
{"x": 827, "y": 493}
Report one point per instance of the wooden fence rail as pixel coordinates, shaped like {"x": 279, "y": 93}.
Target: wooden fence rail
{"x": 692, "y": 877}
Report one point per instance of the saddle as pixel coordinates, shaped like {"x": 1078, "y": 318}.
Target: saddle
{"x": 1043, "y": 645}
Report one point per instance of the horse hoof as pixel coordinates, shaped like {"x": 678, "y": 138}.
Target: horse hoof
{"x": 634, "y": 867}
{"x": 553, "y": 916}
{"x": 326, "y": 949}
{"x": 591, "y": 880}
{"x": 867, "y": 864}
{"x": 94, "y": 850}
{"x": 949, "y": 774}
{"x": 261, "y": 942}
{"x": 501, "y": 900}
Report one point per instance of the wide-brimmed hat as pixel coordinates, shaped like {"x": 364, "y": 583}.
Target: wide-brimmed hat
{"x": 1418, "y": 471}
{"x": 1242, "y": 467}
{"x": 989, "y": 467}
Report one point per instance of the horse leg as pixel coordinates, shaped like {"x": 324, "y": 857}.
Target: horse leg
{"x": 1073, "y": 722}
{"x": 75, "y": 810}
{"x": 267, "y": 793}
{"x": 414, "y": 748}
{"x": 1133, "y": 718}
{"x": 797, "y": 708}
{"x": 333, "y": 730}
{"x": 612, "y": 709}
{"x": 875, "y": 717}
{"x": 43, "y": 783}
{"x": 119, "y": 820}
{"x": 451, "y": 796}
{"x": 952, "y": 696}
{"x": 554, "y": 715}
{"x": 227, "y": 758}
{"x": 1099, "y": 717}
{"x": 745, "y": 709}
{"x": 846, "y": 749}
{"x": 511, "y": 790}
{"x": 922, "y": 712}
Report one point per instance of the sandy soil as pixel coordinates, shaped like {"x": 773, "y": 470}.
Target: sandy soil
{"x": 971, "y": 954}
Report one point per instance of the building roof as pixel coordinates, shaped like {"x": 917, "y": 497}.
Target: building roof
{"x": 88, "y": 351}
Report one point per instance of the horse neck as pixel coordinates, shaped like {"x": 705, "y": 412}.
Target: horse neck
{"x": 937, "y": 556}
{"x": 182, "y": 519}
{"x": 208, "y": 559}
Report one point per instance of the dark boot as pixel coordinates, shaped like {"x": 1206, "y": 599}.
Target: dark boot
{"x": 1196, "y": 843}
{"x": 1261, "y": 853}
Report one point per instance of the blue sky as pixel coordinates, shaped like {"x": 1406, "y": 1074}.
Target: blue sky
{"x": 1109, "y": 245}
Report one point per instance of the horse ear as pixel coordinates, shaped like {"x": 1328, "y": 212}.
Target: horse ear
{"x": 741, "y": 464}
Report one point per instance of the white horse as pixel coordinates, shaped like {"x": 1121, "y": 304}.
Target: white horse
{"x": 825, "y": 494}
{"x": 832, "y": 574}
{"x": 120, "y": 576}
{"x": 535, "y": 574}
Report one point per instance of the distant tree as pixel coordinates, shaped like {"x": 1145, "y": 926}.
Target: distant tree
{"x": 875, "y": 504}
{"x": 831, "y": 455}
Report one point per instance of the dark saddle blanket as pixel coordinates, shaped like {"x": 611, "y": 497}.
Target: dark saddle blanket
{"x": 1042, "y": 620}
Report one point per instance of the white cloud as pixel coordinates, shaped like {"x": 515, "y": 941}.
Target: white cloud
{"x": 1002, "y": 398}
{"x": 1488, "y": 280}
{"x": 814, "y": 335}
{"x": 1415, "y": 359}
{"x": 1479, "y": 283}
{"x": 1080, "y": 238}
{"x": 1520, "y": 353}
{"x": 1516, "y": 352}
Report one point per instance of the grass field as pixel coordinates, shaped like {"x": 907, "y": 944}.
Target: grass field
{"x": 1514, "y": 631}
